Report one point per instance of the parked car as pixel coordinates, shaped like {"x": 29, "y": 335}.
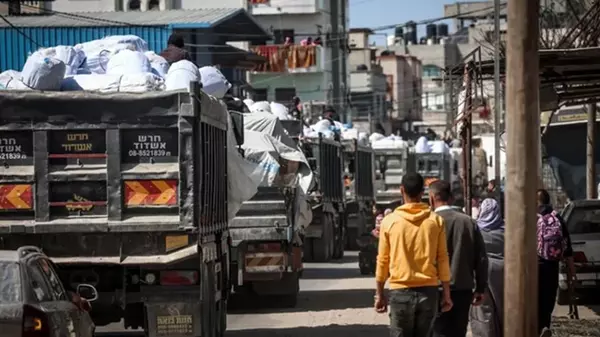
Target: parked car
{"x": 582, "y": 218}
{"x": 34, "y": 302}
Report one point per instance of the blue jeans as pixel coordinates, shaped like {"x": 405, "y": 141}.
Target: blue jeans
{"x": 413, "y": 311}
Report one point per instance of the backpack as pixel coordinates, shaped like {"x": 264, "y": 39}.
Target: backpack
{"x": 551, "y": 242}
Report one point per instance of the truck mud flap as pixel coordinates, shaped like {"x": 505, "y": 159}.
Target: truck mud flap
{"x": 174, "y": 319}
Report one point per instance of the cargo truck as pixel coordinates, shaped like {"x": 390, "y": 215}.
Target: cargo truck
{"x": 390, "y": 165}
{"x": 325, "y": 238}
{"x": 125, "y": 192}
{"x": 265, "y": 259}
{"x": 360, "y": 190}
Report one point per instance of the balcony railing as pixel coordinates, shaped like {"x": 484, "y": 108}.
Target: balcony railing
{"x": 290, "y": 58}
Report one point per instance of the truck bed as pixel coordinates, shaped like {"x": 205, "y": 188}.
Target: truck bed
{"x": 81, "y": 162}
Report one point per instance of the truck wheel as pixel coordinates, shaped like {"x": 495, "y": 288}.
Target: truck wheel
{"x": 322, "y": 248}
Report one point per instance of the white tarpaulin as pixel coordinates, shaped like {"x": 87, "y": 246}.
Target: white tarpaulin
{"x": 267, "y": 123}
{"x": 267, "y": 152}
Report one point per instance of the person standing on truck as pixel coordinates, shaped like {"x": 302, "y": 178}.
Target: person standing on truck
{"x": 414, "y": 258}
{"x": 468, "y": 262}
{"x": 554, "y": 244}
{"x": 175, "y": 50}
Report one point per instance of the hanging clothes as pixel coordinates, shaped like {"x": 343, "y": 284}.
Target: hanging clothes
{"x": 302, "y": 57}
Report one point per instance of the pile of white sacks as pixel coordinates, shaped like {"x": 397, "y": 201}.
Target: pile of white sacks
{"x": 113, "y": 64}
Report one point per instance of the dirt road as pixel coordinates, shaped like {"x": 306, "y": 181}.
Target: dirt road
{"x": 335, "y": 300}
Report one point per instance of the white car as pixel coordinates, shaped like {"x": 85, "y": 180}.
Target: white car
{"x": 582, "y": 218}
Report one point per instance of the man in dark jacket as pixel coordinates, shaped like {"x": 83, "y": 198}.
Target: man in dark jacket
{"x": 175, "y": 49}
{"x": 468, "y": 262}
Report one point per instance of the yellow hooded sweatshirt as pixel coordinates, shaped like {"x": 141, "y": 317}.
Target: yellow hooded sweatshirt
{"x": 412, "y": 248}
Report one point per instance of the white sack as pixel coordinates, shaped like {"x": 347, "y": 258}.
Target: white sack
{"x": 214, "y": 82}
{"x": 390, "y": 142}
{"x": 439, "y": 146}
{"x": 114, "y": 83}
{"x": 261, "y": 106}
{"x": 422, "y": 145}
{"x": 280, "y": 111}
{"x": 11, "y": 80}
{"x": 128, "y": 62}
{"x": 180, "y": 74}
{"x": 350, "y": 134}
{"x": 72, "y": 57}
{"x": 43, "y": 72}
{"x": 248, "y": 102}
{"x": 98, "y": 55}
{"x": 112, "y": 41}
{"x": 159, "y": 65}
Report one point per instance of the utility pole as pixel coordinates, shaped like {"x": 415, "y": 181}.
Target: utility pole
{"x": 522, "y": 115}
{"x": 497, "y": 98}
{"x": 590, "y": 178}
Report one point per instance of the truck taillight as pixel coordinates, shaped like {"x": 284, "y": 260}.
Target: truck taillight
{"x": 579, "y": 257}
{"x": 35, "y": 323}
{"x": 178, "y": 277}
{"x": 265, "y": 247}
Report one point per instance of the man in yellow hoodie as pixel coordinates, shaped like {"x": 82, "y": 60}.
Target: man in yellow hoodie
{"x": 414, "y": 259}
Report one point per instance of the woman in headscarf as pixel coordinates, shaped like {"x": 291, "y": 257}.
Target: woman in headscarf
{"x": 486, "y": 319}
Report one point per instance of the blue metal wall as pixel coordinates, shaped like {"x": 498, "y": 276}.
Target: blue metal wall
{"x": 15, "y": 47}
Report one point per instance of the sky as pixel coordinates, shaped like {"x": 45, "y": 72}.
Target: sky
{"x": 374, "y": 13}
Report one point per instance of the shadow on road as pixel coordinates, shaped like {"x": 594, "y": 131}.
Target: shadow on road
{"x": 355, "y": 330}
{"x": 322, "y": 300}
{"x": 329, "y": 274}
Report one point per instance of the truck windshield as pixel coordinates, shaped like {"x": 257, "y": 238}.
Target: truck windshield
{"x": 584, "y": 220}
{"x": 10, "y": 282}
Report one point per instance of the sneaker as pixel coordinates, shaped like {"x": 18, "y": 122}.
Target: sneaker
{"x": 546, "y": 333}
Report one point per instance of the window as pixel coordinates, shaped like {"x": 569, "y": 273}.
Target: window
{"x": 56, "y": 287}
{"x": 285, "y": 95}
{"x": 38, "y": 283}
{"x": 153, "y": 5}
{"x": 280, "y": 35}
{"x": 431, "y": 70}
{"x": 10, "y": 283}
{"x": 260, "y": 95}
{"x": 134, "y": 5}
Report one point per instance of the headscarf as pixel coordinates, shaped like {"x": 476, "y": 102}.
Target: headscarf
{"x": 378, "y": 221}
{"x": 490, "y": 217}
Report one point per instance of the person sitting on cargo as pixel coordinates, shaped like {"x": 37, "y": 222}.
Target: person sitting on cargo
{"x": 175, "y": 49}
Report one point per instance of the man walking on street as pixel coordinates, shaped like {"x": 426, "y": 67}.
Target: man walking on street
{"x": 413, "y": 256}
{"x": 468, "y": 262}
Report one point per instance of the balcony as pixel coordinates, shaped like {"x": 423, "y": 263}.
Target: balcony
{"x": 290, "y": 59}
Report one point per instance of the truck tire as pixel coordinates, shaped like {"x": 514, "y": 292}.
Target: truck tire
{"x": 307, "y": 250}
{"x": 322, "y": 248}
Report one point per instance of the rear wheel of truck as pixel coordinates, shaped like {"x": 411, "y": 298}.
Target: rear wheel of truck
{"x": 322, "y": 248}
{"x": 351, "y": 237}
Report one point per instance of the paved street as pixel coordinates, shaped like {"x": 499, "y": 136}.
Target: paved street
{"x": 335, "y": 300}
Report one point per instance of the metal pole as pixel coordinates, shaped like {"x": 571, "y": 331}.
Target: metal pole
{"x": 497, "y": 98}
{"x": 591, "y": 155}
{"x": 522, "y": 110}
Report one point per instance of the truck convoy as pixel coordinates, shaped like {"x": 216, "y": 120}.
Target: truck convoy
{"x": 125, "y": 192}
{"x": 360, "y": 191}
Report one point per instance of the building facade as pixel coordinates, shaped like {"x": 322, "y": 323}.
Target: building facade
{"x": 307, "y": 56}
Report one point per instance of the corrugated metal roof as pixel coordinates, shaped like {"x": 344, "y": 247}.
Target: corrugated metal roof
{"x": 197, "y": 18}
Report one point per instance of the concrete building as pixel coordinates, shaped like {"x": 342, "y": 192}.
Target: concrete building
{"x": 368, "y": 84}
{"x": 385, "y": 89}
{"x": 307, "y": 56}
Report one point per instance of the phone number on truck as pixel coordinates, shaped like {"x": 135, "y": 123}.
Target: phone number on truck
{"x": 149, "y": 153}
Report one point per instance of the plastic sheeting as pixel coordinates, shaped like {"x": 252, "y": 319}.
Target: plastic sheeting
{"x": 113, "y": 83}
{"x": 159, "y": 65}
{"x": 11, "y": 80}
